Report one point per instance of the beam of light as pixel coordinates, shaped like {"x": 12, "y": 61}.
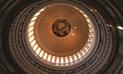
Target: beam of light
{"x": 120, "y": 27}
{"x": 83, "y": 52}
{"x": 88, "y": 20}
{"x": 85, "y": 16}
{"x": 37, "y": 14}
{"x": 38, "y": 51}
{"x": 62, "y": 60}
{"x": 45, "y": 56}
{"x": 34, "y": 18}
{"x": 33, "y": 43}
{"x": 31, "y": 23}
{"x": 41, "y": 54}
{"x": 49, "y": 58}
{"x": 75, "y": 57}
{"x": 66, "y": 60}
{"x": 30, "y": 29}
{"x": 30, "y": 34}
{"x": 79, "y": 55}
{"x": 31, "y": 38}
{"x": 42, "y": 9}
{"x": 53, "y": 59}
{"x": 71, "y": 59}
{"x": 35, "y": 47}
{"x": 57, "y": 60}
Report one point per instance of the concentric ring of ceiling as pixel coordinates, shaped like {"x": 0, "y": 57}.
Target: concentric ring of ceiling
{"x": 41, "y": 38}
{"x": 61, "y": 51}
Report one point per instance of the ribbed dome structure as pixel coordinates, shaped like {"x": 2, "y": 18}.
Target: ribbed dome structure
{"x": 61, "y": 34}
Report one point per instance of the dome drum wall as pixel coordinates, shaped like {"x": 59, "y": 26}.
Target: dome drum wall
{"x": 59, "y": 39}
{"x": 31, "y": 62}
